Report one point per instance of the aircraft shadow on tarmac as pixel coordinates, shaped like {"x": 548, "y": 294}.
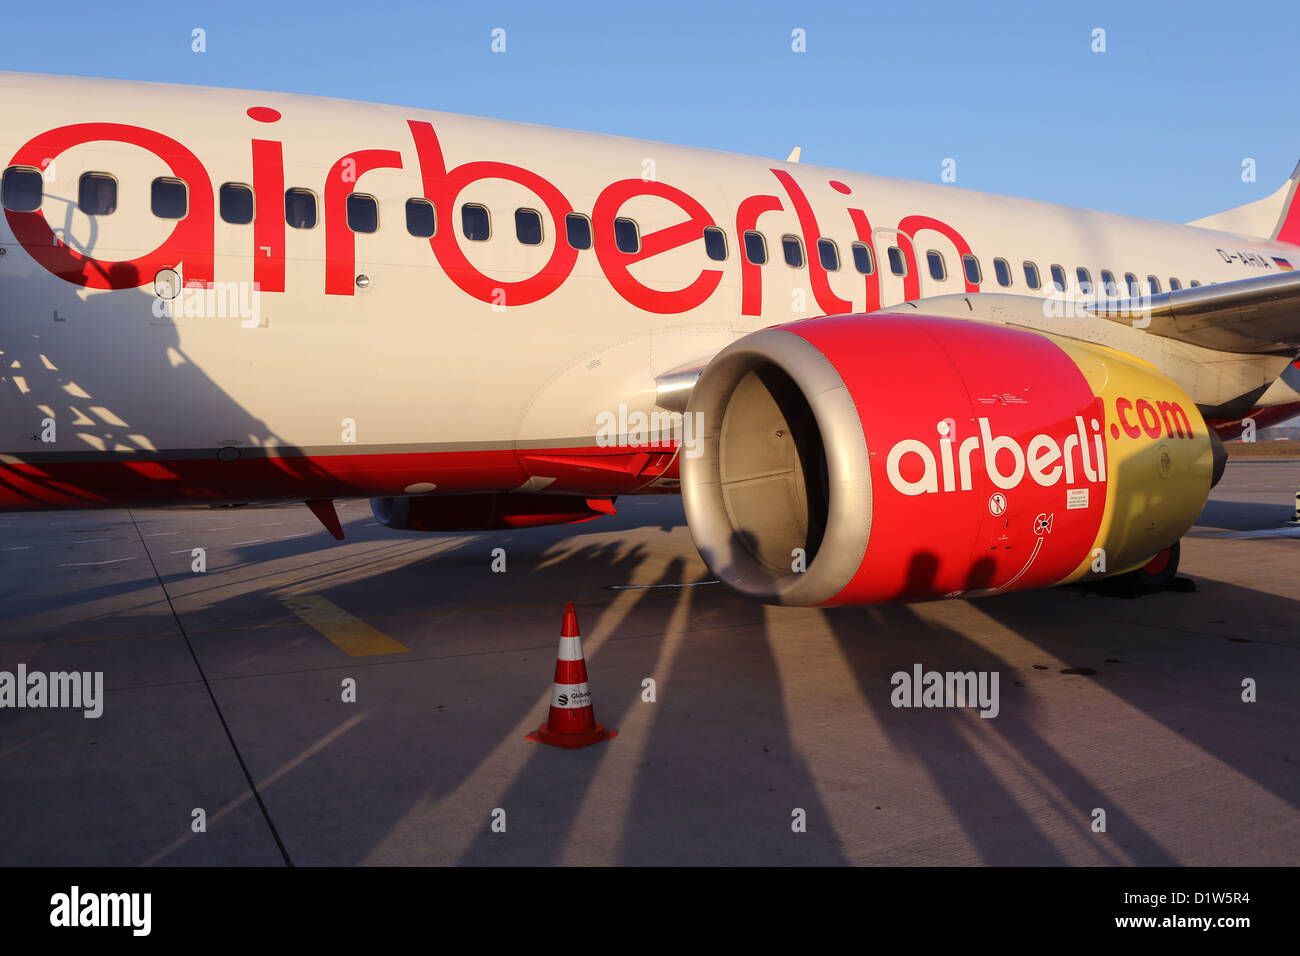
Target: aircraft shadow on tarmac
{"x": 381, "y": 789}
{"x": 399, "y": 773}
{"x": 547, "y": 793}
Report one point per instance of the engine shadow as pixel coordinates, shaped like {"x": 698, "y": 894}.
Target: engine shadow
{"x": 1179, "y": 658}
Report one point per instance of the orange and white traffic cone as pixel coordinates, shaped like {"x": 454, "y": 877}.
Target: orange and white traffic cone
{"x": 572, "y": 722}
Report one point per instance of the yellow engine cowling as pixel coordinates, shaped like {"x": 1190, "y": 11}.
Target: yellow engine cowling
{"x": 1160, "y": 457}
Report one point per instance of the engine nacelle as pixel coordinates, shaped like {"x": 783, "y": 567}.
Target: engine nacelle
{"x": 871, "y": 459}
{"x": 486, "y": 512}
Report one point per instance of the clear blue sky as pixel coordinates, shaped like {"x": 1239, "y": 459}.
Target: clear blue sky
{"x": 1158, "y": 125}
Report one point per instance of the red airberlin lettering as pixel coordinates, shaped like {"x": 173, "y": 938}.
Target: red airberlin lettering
{"x": 1122, "y": 408}
{"x": 907, "y": 231}
{"x": 830, "y": 303}
{"x": 1145, "y": 409}
{"x": 615, "y": 263}
{"x": 1177, "y": 424}
{"x": 751, "y": 273}
{"x": 1162, "y": 418}
{"x": 191, "y": 242}
{"x": 340, "y": 241}
{"x": 268, "y": 215}
{"x": 442, "y": 186}
{"x": 862, "y": 226}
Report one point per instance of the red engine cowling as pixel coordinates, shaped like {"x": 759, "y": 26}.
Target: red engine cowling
{"x": 868, "y": 459}
{"x": 486, "y": 512}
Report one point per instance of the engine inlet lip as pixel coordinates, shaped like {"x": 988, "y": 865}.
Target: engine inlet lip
{"x": 848, "y": 521}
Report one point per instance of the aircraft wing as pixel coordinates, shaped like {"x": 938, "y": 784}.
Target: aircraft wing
{"x": 1256, "y": 315}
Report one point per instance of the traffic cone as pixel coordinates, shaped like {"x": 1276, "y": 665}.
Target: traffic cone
{"x": 572, "y": 722}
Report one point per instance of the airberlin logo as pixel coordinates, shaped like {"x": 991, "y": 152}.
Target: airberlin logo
{"x": 914, "y": 467}
{"x": 192, "y": 242}
{"x": 1005, "y": 462}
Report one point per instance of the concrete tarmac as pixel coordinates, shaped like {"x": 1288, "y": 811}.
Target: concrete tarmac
{"x": 224, "y": 693}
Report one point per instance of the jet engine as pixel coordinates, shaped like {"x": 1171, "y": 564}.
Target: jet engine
{"x": 878, "y": 458}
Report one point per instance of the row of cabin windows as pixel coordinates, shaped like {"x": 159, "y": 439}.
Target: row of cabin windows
{"x": 792, "y": 251}
{"x": 828, "y": 254}
{"x": 1002, "y": 273}
{"x": 169, "y": 199}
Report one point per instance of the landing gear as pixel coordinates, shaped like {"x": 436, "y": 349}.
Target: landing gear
{"x": 1158, "y": 573}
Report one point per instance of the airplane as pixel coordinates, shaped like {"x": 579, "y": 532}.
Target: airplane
{"x": 866, "y": 390}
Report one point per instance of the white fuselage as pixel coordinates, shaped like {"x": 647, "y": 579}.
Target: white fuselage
{"x": 403, "y": 349}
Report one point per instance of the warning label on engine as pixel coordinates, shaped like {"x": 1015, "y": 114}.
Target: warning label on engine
{"x": 1076, "y": 498}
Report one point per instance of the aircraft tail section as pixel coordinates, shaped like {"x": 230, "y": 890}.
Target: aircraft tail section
{"x": 1288, "y": 223}
{"x": 1274, "y": 217}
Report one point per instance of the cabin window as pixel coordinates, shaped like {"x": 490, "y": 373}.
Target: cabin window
{"x": 1194, "y": 283}
{"x": 971, "y": 266}
{"x": 577, "y": 229}
{"x": 475, "y": 223}
{"x": 755, "y": 247}
{"x": 1031, "y": 275}
{"x": 97, "y": 194}
{"x": 863, "y": 260}
{"x": 1134, "y": 287}
{"x": 897, "y": 263}
{"x": 1174, "y": 284}
{"x": 938, "y": 270}
{"x": 627, "y": 237}
{"x": 1108, "y": 285}
{"x": 715, "y": 243}
{"x": 1153, "y": 285}
{"x": 421, "y": 218}
{"x": 300, "y": 208}
{"x": 1085, "y": 280}
{"x": 23, "y": 189}
{"x": 1002, "y": 272}
{"x": 236, "y": 202}
{"x": 528, "y": 226}
{"x": 169, "y": 198}
{"x": 828, "y": 254}
{"x": 792, "y": 249}
{"x": 1058, "y": 278}
{"x": 363, "y": 213}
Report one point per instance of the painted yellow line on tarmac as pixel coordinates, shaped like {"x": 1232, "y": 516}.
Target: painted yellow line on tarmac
{"x": 351, "y": 634}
